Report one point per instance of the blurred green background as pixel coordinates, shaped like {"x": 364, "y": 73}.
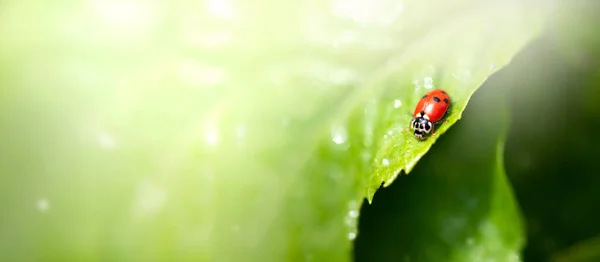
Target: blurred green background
{"x": 258, "y": 131}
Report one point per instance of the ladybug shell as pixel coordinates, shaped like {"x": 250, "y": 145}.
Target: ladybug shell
{"x": 433, "y": 105}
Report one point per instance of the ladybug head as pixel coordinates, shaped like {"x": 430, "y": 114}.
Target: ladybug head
{"x": 422, "y": 126}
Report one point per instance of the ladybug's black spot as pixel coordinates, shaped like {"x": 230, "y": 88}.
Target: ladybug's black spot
{"x": 422, "y": 113}
{"x": 424, "y": 96}
{"x": 427, "y": 126}
{"x": 436, "y": 99}
{"x": 446, "y": 100}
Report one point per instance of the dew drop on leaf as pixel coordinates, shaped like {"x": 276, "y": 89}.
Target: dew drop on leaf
{"x": 385, "y": 162}
{"x": 351, "y": 219}
{"x": 43, "y": 205}
{"x": 397, "y": 103}
{"x": 428, "y": 82}
{"x": 351, "y": 235}
{"x": 339, "y": 134}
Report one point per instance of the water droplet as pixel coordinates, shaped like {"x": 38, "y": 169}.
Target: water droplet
{"x": 352, "y": 235}
{"x": 105, "y": 141}
{"x": 416, "y": 83}
{"x": 339, "y": 134}
{"x": 397, "y": 103}
{"x": 385, "y": 162}
{"x": 352, "y": 213}
{"x": 43, "y": 205}
{"x": 428, "y": 82}
{"x": 492, "y": 66}
{"x": 351, "y": 219}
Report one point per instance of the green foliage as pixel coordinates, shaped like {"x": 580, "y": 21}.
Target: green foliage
{"x": 459, "y": 66}
{"x": 157, "y": 131}
{"x": 551, "y": 158}
{"x": 587, "y": 251}
{"x": 458, "y": 204}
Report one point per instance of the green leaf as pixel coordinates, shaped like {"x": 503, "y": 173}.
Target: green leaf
{"x": 228, "y": 131}
{"x": 584, "y": 251}
{"x": 459, "y": 66}
{"x": 458, "y": 205}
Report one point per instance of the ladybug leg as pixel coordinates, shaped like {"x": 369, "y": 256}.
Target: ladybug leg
{"x": 433, "y": 126}
{"x": 440, "y": 122}
{"x": 408, "y": 129}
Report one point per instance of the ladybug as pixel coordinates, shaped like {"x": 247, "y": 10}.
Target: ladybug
{"x": 429, "y": 111}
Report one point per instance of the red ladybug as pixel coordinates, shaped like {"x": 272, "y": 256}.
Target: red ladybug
{"x": 429, "y": 111}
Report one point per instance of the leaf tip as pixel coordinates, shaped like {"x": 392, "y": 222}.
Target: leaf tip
{"x": 370, "y": 194}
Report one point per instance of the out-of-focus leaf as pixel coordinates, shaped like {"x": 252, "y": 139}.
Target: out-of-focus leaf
{"x": 222, "y": 130}
{"x": 458, "y": 205}
{"x": 585, "y": 251}
{"x": 552, "y": 166}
